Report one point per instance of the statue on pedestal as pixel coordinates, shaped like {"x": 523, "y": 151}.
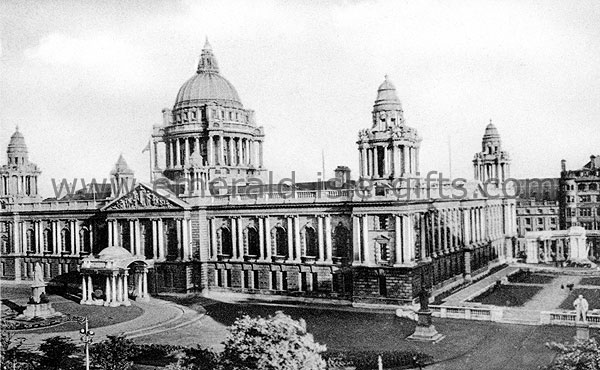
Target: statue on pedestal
{"x": 581, "y": 308}
{"x": 38, "y": 306}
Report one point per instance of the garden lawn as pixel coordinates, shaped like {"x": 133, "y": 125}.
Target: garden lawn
{"x": 591, "y": 295}
{"x": 507, "y": 295}
{"x": 590, "y": 280}
{"x": 525, "y": 277}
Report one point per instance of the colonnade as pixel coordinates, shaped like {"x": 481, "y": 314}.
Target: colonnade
{"x": 116, "y": 287}
{"x": 39, "y": 237}
{"x": 222, "y": 150}
{"x": 485, "y": 170}
{"x": 136, "y": 238}
{"x": 296, "y": 244}
{"x": 25, "y": 185}
{"x": 397, "y": 160}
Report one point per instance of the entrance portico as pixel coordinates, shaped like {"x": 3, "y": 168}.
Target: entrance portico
{"x": 111, "y": 269}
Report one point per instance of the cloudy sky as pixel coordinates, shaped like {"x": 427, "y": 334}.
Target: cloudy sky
{"x": 86, "y": 81}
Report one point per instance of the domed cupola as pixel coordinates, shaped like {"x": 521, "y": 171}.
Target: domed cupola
{"x": 387, "y": 99}
{"x": 389, "y": 149}
{"x": 492, "y": 163}
{"x": 207, "y": 85}
{"x": 209, "y": 134}
{"x": 19, "y": 177}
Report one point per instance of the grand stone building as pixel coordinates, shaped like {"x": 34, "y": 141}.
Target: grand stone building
{"x": 368, "y": 244}
{"x": 579, "y": 198}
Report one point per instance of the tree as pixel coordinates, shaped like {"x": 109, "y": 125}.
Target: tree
{"x": 115, "y": 353}
{"x": 12, "y": 357}
{"x": 200, "y": 359}
{"x": 274, "y": 343}
{"x": 583, "y": 354}
{"x": 58, "y": 354}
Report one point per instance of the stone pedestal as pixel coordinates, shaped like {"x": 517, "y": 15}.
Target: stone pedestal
{"x": 38, "y": 311}
{"x": 582, "y": 331}
{"x": 425, "y": 331}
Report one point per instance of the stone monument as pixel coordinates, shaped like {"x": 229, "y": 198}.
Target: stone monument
{"x": 582, "y": 326}
{"x": 38, "y": 306}
{"x": 425, "y": 331}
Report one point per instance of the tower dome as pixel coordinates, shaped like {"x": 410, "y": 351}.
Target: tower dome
{"x": 207, "y": 85}
{"x": 491, "y": 132}
{"x": 387, "y": 99}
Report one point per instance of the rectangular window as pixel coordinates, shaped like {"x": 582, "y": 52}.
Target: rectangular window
{"x": 218, "y": 277}
{"x": 256, "y": 279}
{"x": 274, "y": 284}
{"x": 382, "y": 285}
{"x": 284, "y": 281}
{"x": 228, "y": 278}
{"x": 315, "y": 281}
{"x": 247, "y": 275}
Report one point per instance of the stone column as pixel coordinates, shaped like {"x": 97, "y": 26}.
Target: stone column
{"x": 113, "y": 289}
{"x": 468, "y": 265}
{"x": 84, "y": 293}
{"x": 268, "y": 249}
{"x": 290, "y": 235}
{"x": 36, "y": 237}
{"x": 261, "y": 238}
{"x": 328, "y": 242}
{"x": 366, "y": 245}
{"x": 356, "y": 239}
{"x": 131, "y": 237}
{"x": 125, "y": 290}
{"x": 110, "y": 234}
{"x": 138, "y": 237}
{"x": 107, "y": 292}
{"x": 260, "y": 150}
{"x": 210, "y": 156}
{"x": 139, "y": 283}
{"x": 75, "y": 245}
{"x": 119, "y": 283}
{"x": 297, "y": 248}
{"x": 186, "y": 239}
{"x": 240, "y": 238}
{"x": 90, "y": 288}
{"x": 221, "y": 158}
{"x": 398, "y": 255}
{"x": 145, "y": 285}
{"x": 321, "y": 245}
{"x": 213, "y": 239}
{"x": 154, "y": 239}
{"x": 234, "y": 239}
{"x": 186, "y": 148}
{"x": 161, "y": 240}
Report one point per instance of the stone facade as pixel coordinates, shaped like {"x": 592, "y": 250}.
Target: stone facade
{"x": 336, "y": 242}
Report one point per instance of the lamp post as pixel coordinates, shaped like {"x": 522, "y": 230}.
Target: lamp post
{"x": 86, "y": 338}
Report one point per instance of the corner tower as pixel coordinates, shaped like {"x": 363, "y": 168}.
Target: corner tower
{"x": 209, "y": 134}
{"x": 19, "y": 177}
{"x": 492, "y": 163}
{"x": 389, "y": 149}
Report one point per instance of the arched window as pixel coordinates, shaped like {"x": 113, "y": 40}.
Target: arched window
{"x": 310, "y": 238}
{"x": 30, "y": 241}
{"x": 341, "y": 241}
{"x": 48, "y": 242}
{"x": 226, "y": 242}
{"x": 281, "y": 242}
{"x": 253, "y": 242}
{"x": 4, "y": 245}
{"x": 85, "y": 240}
{"x": 65, "y": 236}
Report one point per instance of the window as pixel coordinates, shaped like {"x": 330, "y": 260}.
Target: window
{"x": 540, "y": 220}
{"x": 253, "y": 242}
{"x": 310, "y": 240}
{"x": 341, "y": 241}
{"x": 528, "y": 221}
{"x": 256, "y": 279}
{"x": 585, "y": 212}
{"x": 30, "y": 241}
{"x": 48, "y": 245}
{"x": 382, "y": 285}
{"x": 384, "y": 254}
{"x": 226, "y": 242}
{"x": 553, "y": 221}
{"x": 281, "y": 242}
{"x": 382, "y": 222}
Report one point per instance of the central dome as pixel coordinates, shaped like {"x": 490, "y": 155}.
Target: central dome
{"x": 207, "y": 85}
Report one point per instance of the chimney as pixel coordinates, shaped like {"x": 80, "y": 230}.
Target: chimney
{"x": 563, "y": 165}
{"x": 592, "y": 162}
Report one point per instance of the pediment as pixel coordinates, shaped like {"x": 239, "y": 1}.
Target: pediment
{"x": 143, "y": 197}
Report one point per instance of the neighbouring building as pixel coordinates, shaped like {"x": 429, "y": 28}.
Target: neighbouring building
{"x": 579, "y": 201}
{"x": 182, "y": 233}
